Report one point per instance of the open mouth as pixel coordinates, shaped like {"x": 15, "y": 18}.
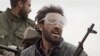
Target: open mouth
{"x": 56, "y": 33}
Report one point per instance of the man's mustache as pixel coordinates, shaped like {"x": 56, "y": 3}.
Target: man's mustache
{"x": 57, "y": 31}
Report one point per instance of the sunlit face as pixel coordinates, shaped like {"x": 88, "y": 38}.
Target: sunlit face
{"x": 25, "y": 9}
{"x": 52, "y": 31}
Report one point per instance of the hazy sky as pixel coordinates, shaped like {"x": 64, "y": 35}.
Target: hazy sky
{"x": 80, "y": 15}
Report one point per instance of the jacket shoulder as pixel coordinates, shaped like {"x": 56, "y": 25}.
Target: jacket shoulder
{"x": 67, "y": 49}
{"x": 70, "y": 49}
{"x": 69, "y": 45}
{"x": 31, "y": 22}
{"x": 2, "y": 14}
{"x": 0, "y": 11}
{"x": 30, "y": 51}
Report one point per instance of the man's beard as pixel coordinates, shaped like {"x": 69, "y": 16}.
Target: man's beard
{"x": 48, "y": 37}
{"x": 23, "y": 14}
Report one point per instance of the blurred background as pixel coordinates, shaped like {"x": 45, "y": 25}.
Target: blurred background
{"x": 80, "y": 14}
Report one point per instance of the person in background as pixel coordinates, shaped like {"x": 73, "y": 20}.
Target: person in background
{"x": 50, "y": 22}
{"x": 13, "y": 23}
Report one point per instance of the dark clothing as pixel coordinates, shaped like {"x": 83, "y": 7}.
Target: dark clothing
{"x": 62, "y": 49}
{"x": 12, "y": 28}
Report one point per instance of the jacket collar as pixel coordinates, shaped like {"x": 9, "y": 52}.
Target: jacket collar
{"x": 12, "y": 16}
{"x": 53, "y": 51}
{"x": 58, "y": 45}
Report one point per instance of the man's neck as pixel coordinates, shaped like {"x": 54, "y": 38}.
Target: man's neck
{"x": 45, "y": 45}
{"x": 15, "y": 12}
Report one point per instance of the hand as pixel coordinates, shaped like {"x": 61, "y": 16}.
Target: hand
{"x": 8, "y": 53}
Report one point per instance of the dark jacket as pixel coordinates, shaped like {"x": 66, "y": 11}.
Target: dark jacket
{"x": 62, "y": 49}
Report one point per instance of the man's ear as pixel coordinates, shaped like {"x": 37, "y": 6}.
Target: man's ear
{"x": 40, "y": 27}
{"x": 20, "y": 4}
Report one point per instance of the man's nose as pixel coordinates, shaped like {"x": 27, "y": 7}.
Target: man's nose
{"x": 58, "y": 25}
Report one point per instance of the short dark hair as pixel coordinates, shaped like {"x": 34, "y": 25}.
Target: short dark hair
{"x": 45, "y": 10}
{"x": 15, "y": 2}
{"x": 48, "y": 9}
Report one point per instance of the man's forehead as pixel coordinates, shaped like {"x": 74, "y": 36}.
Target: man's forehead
{"x": 54, "y": 16}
